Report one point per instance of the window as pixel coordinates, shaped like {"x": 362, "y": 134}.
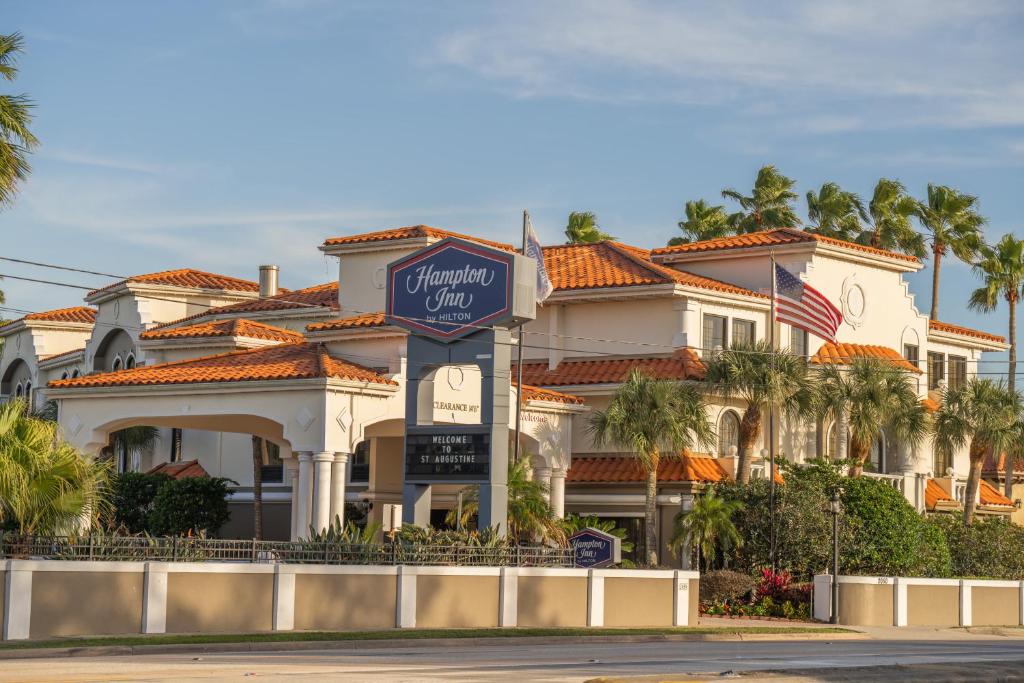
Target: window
{"x": 876, "y": 463}
{"x": 129, "y": 362}
{"x": 117, "y": 364}
{"x": 957, "y": 371}
{"x": 272, "y": 470}
{"x": 912, "y": 354}
{"x": 64, "y": 375}
{"x": 742, "y": 331}
{"x": 19, "y": 391}
{"x": 728, "y": 433}
{"x": 76, "y": 373}
{"x": 936, "y": 369}
{"x": 714, "y": 333}
{"x": 798, "y": 342}
{"x": 359, "y": 464}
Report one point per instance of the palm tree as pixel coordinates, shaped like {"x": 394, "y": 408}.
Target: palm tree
{"x": 652, "y": 419}
{"x": 16, "y": 141}
{"x": 769, "y": 206}
{"x": 952, "y": 219}
{"x": 708, "y": 525}
{"x": 982, "y": 415}
{"x": 583, "y": 229}
{"x": 891, "y": 209}
{"x": 46, "y": 486}
{"x": 529, "y": 512}
{"x": 131, "y": 440}
{"x": 703, "y": 222}
{"x": 1002, "y": 269}
{"x": 259, "y": 457}
{"x": 872, "y": 396}
{"x": 760, "y": 376}
{"x": 836, "y": 212}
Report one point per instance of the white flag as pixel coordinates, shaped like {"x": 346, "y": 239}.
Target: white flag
{"x": 533, "y": 250}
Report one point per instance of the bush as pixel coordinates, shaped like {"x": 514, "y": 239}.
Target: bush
{"x": 190, "y": 506}
{"x": 991, "y": 548}
{"x": 724, "y": 584}
{"x": 132, "y": 500}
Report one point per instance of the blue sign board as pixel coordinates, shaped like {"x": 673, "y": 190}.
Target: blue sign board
{"x": 594, "y": 548}
{"x": 451, "y": 289}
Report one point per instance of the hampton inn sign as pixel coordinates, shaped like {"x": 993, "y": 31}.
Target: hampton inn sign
{"x": 459, "y": 299}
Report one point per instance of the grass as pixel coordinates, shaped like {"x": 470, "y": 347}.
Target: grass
{"x": 394, "y": 634}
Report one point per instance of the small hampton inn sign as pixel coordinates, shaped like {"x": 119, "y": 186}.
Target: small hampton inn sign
{"x": 594, "y": 548}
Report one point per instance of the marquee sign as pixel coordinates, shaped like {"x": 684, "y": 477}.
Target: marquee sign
{"x": 594, "y": 548}
{"x": 451, "y": 289}
{"x": 447, "y": 455}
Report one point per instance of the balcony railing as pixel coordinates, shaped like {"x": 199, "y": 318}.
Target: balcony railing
{"x": 894, "y": 480}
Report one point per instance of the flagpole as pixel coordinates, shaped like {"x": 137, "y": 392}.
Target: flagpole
{"x": 519, "y": 363}
{"x": 771, "y": 433}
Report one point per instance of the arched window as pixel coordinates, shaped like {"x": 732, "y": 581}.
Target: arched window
{"x": 728, "y": 433}
{"x": 877, "y": 459}
{"x": 117, "y": 364}
{"x": 830, "y": 441}
{"x": 76, "y": 373}
{"x": 129, "y": 362}
{"x": 64, "y": 375}
{"x": 28, "y": 394}
{"x": 19, "y": 391}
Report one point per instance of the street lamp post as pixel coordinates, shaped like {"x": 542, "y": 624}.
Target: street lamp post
{"x": 835, "y": 506}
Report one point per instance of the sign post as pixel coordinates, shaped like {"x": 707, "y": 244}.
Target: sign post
{"x": 458, "y": 300}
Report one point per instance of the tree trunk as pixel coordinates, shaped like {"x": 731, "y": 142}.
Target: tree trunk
{"x": 859, "y": 454}
{"x": 876, "y": 238}
{"x": 1011, "y": 382}
{"x": 936, "y": 268}
{"x": 651, "y": 512}
{"x": 257, "y": 487}
{"x": 973, "y": 479}
{"x": 750, "y": 429}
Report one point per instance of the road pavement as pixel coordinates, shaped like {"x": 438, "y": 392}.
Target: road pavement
{"x": 504, "y": 661}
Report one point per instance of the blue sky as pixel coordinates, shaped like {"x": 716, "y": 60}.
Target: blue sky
{"x": 221, "y": 135}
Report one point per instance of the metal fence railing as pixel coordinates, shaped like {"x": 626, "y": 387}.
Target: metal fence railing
{"x": 189, "y": 549}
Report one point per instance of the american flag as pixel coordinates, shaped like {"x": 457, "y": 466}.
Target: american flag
{"x": 803, "y": 306}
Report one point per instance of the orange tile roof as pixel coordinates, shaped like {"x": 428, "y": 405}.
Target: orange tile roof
{"x": 317, "y": 296}
{"x": 843, "y": 354}
{"x": 990, "y": 495}
{"x": 356, "y": 321}
{"x": 930, "y": 404}
{"x": 180, "y": 470}
{"x": 188, "y": 277}
{"x": 531, "y": 393}
{"x": 611, "y": 264}
{"x": 772, "y": 238}
{"x": 685, "y": 365}
{"x": 998, "y": 465}
{"x": 233, "y": 327}
{"x": 614, "y": 469}
{"x": 410, "y": 232}
{"x": 75, "y": 314}
{"x": 934, "y": 494}
{"x": 965, "y": 331}
{"x": 62, "y": 354}
{"x": 300, "y": 360}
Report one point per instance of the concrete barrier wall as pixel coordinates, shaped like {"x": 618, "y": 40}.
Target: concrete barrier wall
{"x": 899, "y": 601}
{"x": 50, "y": 598}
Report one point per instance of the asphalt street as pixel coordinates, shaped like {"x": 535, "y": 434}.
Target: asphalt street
{"x": 508, "y": 661}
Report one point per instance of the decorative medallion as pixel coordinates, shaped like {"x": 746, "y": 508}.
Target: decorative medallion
{"x": 853, "y": 301}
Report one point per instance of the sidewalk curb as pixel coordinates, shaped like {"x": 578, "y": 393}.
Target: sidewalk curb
{"x": 305, "y": 645}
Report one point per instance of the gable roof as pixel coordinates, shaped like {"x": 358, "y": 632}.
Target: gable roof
{"x": 407, "y": 233}
{"x": 317, "y": 296}
{"x": 612, "y": 264}
{"x": 950, "y": 328}
{"x": 935, "y": 494}
{"x": 843, "y": 354}
{"x": 531, "y": 393}
{"x": 775, "y": 238}
{"x": 180, "y": 470}
{"x": 233, "y": 327}
{"x": 684, "y": 365}
{"x": 990, "y": 495}
{"x": 366, "y": 320}
{"x": 189, "y": 278}
{"x": 301, "y": 360}
{"x": 75, "y": 314}
{"x": 615, "y": 469}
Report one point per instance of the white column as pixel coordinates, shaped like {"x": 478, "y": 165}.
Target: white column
{"x": 154, "y": 599}
{"x": 542, "y": 475}
{"x": 284, "y": 598}
{"x": 508, "y": 597}
{"x": 406, "y": 600}
{"x": 558, "y": 493}
{"x": 17, "y": 602}
{"x": 966, "y": 605}
{"x": 292, "y": 467}
{"x": 899, "y": 601}
{"x": 339, "y": 475}
{"x": 322, "y": 463}
{"x": 595, "y": 598}
{"x": 681, "y": 600}
{"x": 305, "y": 490}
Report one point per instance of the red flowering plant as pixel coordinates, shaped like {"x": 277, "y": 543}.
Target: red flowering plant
{"x": 773, "y": 584}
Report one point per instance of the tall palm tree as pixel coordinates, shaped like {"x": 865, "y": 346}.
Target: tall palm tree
{"x": 529, "y": 512}
{"x": 582, "y": 228}
{"x": 708, "y": 526}
{"x": 1002, "y": 269}
{"x": 891, "y": 209}
{"x": 982, "y": 415}
{"x": 836, "y": 212}
{"x": 46, "y": 486}
{"x": 16, "y": 141}
{"x": 770, "y": 204}
{"x": 760, "y": 376}
{"x": 703, "y": 222}
{"x": 873, "y": 396}
{"x": 652, "y": 419}
{"x": 954, "y": 224}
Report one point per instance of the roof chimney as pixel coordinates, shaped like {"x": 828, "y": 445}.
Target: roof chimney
{"x": 268, "y": 281}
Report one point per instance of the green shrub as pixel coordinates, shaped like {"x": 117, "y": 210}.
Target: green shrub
{"x": 132, "y": 499}
{"x": 990, "y": 548}
{"x": 192, "y": 505}
{"x": 724, "y": 584}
